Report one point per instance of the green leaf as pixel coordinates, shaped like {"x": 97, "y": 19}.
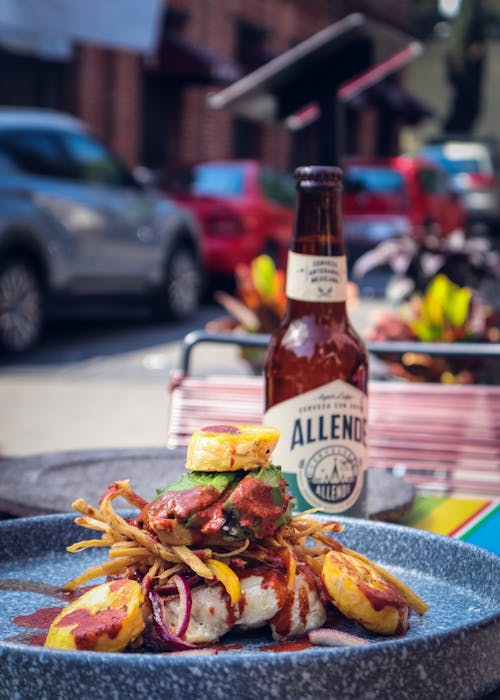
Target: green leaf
{"x": 263, "y": 271}
{"x": 424, "y": 331}
{"x": 435, "y": 299}
{"x": 458, "y": 307}
{"x": 237, "y": 309}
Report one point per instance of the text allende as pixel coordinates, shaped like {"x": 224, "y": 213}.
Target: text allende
{"x": 333, "y": 427}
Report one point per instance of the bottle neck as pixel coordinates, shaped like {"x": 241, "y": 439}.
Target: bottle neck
{"x": 316, "y": 269}
{"x": 318, "y": 222}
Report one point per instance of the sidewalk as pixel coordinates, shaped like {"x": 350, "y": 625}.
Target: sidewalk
{"x": 107, "y": 402}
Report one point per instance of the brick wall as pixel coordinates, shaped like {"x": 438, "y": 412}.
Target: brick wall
{"x": 206, "y": 133}
{"x": 125, "y": 126}
{"x": 92, "y": 93}
{"x": 109, "y": 90}
{"x": 109, "y": 98}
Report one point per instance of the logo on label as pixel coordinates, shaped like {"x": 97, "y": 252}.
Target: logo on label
{"x": 331, "y": 477}
{"x": 316, "y": 277}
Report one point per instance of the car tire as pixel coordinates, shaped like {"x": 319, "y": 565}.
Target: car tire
{"x": 22, "y": 312}
{"x": 179, "y": 296}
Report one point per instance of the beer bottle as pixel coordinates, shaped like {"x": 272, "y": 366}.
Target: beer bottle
{"x": 316, "y": 365}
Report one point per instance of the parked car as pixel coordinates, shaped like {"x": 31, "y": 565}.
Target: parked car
{"x": 473, "y": 169}
{"x": 245, "y": 208}
{"x": 75, "y": 225}
{"x": 386, "y": 198}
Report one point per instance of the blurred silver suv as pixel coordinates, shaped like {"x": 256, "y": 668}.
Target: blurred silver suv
{"x": 76, "y": 225}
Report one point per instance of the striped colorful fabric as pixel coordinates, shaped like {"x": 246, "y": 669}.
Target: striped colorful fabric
{"x": 474, "y": 520}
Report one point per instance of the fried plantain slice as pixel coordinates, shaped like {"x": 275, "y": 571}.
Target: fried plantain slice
{"x": 108, "y": 617}
{"x": 227, "y": 448}
{"x": 362, "y": 594}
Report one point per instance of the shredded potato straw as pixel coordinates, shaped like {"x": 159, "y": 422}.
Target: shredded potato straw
{"x": 134, "y": 549}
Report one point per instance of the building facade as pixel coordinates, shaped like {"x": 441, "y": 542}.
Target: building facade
{"x": 153, "y": 109}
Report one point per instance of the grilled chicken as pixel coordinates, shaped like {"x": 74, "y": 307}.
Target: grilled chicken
{"x": 265, "y": 600}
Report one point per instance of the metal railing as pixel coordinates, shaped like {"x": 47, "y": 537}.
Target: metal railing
{"x": 376, "y": 347}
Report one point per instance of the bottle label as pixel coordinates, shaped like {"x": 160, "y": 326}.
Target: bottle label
{"x": 323, "y": 444}
{"x": 316, "y": 277}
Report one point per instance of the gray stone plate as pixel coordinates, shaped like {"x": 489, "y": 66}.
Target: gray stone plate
{"x": 452, "y": 652}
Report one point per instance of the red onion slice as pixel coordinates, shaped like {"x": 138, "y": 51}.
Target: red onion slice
{"x": 203, "y": 651}
{"x": 326, "y": 637}
{"x": 163, "y": 635}
{"x": 185, "y": 602}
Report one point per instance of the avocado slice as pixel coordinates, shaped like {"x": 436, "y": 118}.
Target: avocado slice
{"x": 192, "y": 493}
{"x": 189, "y": 480}
{"x": 237, "y": 505}
{"x": 258, "y": 504}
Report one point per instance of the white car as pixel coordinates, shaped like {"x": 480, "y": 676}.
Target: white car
{"x": 472, "y": 168}
{"x": 76, "y": 225}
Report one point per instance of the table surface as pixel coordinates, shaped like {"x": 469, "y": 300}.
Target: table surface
{"x": 49, "y": 483}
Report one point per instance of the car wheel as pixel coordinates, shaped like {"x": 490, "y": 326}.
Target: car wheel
{"x": 180, "y": 292}
{"x": 21, "y": 306}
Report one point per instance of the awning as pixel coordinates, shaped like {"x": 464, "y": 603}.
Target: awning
{"x": 181, "y": 59}
{"x": 49, "y": 28}
{"x": 379, "y": 72}
{"x": 391, "y": 98}
{"x": 316, "y": 66}
{"x": 374, "y": 87}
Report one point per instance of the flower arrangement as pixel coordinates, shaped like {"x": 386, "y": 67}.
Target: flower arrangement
{"x": 259, "y": 300}
{"x": 447, "y": 313}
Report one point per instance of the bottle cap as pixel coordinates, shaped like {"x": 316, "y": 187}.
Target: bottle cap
{"x": 318, "y": 175}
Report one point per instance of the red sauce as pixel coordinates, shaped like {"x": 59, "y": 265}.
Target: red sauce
{"x": 112, "y": 489}
{"x": 231, "y": 429}
{"x": 19, "y": 584}
{"x": 132, "y": 497}
{"x": 282, "y": 621}
{"x": 180, "y": 504}
{"x": 212, "y": 518}
{"x": 90, "y": 627}
{"x": 40, "y": 619}
{"x": 284, "y": 597}
{"x": 294, "y": 645}
{"x": 303, "y": 604}
{"x": 35, "y": 639}
{"x": 225, "y": 647}
{"x": 253, "y": 498}
{"x": 233, "y": 611}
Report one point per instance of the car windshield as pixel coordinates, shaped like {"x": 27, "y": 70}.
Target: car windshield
{"x": 454, "y": 167}
{"x": 218, "y": 179}
{"x": 278, "y": 187}
{"x": 362, "y": 179}
{"x": 459, "y": 160}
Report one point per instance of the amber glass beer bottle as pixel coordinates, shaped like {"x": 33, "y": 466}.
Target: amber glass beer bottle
{"x": 316, "y": 366}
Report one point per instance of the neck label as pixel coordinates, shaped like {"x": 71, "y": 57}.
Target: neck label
{"x": 321, "y": 278}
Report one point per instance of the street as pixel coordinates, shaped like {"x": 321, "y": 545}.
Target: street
{"x": 104, "y": 383}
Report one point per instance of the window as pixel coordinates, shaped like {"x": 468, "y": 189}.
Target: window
{"x": 35, "y": 152}
{"x": 432, "y": 181}
{"x": 247, "y": 138}
{"x": 278, "y": 187}
{"x": 359, "y": 179}
{"x": 93, "y": 163}
{"x": 218, "y": 179}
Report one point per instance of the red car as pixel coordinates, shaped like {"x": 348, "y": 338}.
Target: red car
{"x": 245, "y": 208}
{"x": 431, "y": 195}
{"x": 384, "y": 198}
